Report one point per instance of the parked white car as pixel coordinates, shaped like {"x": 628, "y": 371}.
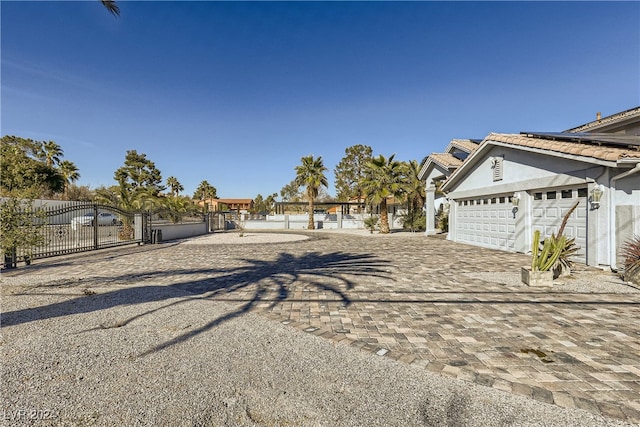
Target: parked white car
{"x": 104, "y": 218}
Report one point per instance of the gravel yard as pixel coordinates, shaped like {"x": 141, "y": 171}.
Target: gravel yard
{"x": 80, "y": 350}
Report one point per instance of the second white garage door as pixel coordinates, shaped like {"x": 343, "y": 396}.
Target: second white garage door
{"x": 550, "y": 206}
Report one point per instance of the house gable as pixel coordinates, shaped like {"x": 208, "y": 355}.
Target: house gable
{"x": 520, "y": 171}
{"x": 552, "y": 156}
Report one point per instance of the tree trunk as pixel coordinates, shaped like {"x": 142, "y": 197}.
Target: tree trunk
{"x": 310, "y": 226}
{"x": 384, "y": 218}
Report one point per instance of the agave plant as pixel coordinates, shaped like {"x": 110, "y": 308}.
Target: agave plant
{"x": 631, "y": 253}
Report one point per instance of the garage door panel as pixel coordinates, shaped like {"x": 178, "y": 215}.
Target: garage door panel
{"x": 547, "y": 216}
{"x": 551, "y": 213}
{"x": 487, "y": 224}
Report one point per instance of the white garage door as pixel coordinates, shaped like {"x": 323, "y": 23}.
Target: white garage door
{"x": 487, "y": 222}
{"x": 549, "y": 208}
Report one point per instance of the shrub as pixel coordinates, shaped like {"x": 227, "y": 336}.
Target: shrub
{"x": 442, "y": 219}
{"x": 20, "y": 229}
{"x": 371, "y": 223}
{"x": 414, "y": 221}
{"x": 631, "y": 254}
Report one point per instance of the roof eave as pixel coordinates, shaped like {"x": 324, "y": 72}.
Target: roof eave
{"x": 472, "y": 159}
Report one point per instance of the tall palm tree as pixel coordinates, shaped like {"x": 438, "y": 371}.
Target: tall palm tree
{"x": 69, "y": 172}
{"x": 51, "y": 153}
{"x": 311, "y": 174}
{"x": 174, "y": 185}
{"x": 383, "y": 178}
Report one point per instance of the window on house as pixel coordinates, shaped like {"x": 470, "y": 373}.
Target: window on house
{"x": 566, "y": 194}
{"x": 502, "y": 199}
{"x": 551, "y": 195}
{"x": 582, "y": 192}
{"x": 537, "y": 196}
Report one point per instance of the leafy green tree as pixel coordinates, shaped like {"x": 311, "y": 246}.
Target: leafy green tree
{"x": 174, "y": 185}
{"x": 23, "y": 173}
{"x": 270, "y": 202}
{"x": 69, "y": 172}
{"x": 383, "y": 178}
{"x": 311, "y": 175}
{"x": 205, "y": 191}
{"x": 80, "y": 193}
{"x": 349, "y": 173}
{"x": 139, "y": 172}
{"x": 258, "y": 203}
{"x": 261, "y": 204}
{"x": 291, "y": 192}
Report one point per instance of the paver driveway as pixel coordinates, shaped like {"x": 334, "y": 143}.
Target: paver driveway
{"x": 453, "y": 309}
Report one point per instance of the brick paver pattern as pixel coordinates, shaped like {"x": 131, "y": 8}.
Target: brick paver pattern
{"x": 408, "y": 297}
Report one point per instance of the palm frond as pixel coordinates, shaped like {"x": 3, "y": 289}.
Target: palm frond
{"x": 111, "y": 6}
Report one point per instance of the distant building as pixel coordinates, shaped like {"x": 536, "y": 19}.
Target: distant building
{"x": 242, "y": 205}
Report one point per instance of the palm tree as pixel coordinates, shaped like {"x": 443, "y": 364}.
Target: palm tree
{"x": 174, "y": 185}
{"x": 69, "y": 172}
{"x": 383, "y": 178}
{"x": 127, "y": 200}
{"x": 51, "y": 153}
{"x": 205, "y": 191}
{"x": 311, "y": 174}
{"x": 178, "y": 207}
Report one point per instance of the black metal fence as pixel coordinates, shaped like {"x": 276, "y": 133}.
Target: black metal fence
{"x": 77, "y": 227}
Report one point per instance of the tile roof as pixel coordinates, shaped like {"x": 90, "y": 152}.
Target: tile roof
{"x": 600, "y": 152}
{"x": 633, "y": 112}
{"x": 445, "y": 160}
{"x": 466, "y": 145}
{"x": 234, "y": 200}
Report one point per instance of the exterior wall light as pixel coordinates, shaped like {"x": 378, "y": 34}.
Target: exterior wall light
{"x": 515, "y": 200}
{"x": 596, "y": 195}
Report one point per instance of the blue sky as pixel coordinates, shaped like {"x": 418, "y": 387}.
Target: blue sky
{"x": 237, "y": 92}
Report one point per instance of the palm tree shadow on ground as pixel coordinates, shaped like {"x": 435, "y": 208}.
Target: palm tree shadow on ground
{"x": 333, "y": 272}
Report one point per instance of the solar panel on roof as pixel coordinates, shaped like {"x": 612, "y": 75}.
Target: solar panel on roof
{"x": 631, "y": 141}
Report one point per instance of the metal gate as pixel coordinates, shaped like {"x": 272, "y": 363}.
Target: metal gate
{"x": 78, "y": 228}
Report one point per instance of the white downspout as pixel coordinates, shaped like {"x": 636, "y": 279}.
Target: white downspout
{"x": 612, "y": 213}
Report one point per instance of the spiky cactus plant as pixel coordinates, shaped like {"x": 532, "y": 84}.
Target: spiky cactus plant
{"x": 545, "y": 258}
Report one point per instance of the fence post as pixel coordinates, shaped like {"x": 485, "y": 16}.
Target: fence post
{"x": 10, "y": 259}
{"x": 138, "y": 227}
{"x": 95, "y": 226}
